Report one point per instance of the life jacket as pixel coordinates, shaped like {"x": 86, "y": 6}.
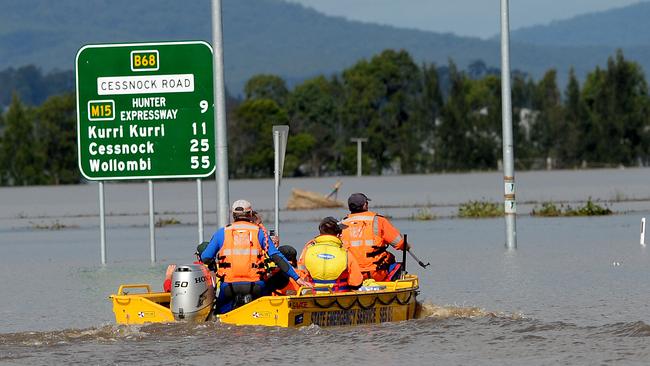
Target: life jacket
{"x": 326, "y": 261}
{"x": 362, "y": 239}
{"x": 241, "y": 257}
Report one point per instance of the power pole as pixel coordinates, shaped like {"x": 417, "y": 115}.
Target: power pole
{"x": 359, "y": 141}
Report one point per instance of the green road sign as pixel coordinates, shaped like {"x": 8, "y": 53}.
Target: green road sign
{"x": 145, "y": 110}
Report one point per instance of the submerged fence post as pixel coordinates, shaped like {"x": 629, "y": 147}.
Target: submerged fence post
{"x": 510, "y": 207}
{"x": 643, "y": 231}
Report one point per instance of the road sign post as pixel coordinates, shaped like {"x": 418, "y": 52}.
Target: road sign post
{"x": 280, "y": 137}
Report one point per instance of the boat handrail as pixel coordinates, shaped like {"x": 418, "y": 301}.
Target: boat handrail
{"x": 312, "y": 290}
{"x": 145, "y": 286}
{"x": 411, "y": 280}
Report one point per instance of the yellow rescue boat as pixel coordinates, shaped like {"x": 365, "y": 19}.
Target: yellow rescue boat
{"x": 376, "y": 303}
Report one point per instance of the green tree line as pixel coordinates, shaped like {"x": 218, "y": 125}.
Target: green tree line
{"x": 32, "y": 85}
{"x": 417, "y": 118}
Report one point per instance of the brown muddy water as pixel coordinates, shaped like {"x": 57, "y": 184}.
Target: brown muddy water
{"x": 575, "y": 292}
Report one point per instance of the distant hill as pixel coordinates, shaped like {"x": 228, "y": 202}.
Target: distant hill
{"x": 622, "y": 27}
{"x": 268, "y": 36}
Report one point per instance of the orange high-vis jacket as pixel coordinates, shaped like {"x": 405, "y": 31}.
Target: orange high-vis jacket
{"x": 367, "y": 237}
{"x": 241, "y": 258}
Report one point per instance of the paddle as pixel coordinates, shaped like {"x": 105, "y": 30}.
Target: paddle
{"x": 417, "y": 260}
{"x": 406, "y": 245}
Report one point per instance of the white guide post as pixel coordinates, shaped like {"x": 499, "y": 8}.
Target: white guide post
{"x": 643, "y": 231}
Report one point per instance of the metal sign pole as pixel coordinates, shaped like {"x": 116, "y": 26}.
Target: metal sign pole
{"x": 152, "y": 235}
{"x": 280, "y": 137}
{"x": 276, "y": 169}
{"x": 102, "y": 223}
{"x": 508, "y": 149}
{"x": 220, "y": 106}
{"x": 199, "y": 198}
{"x": 359, "y": 141}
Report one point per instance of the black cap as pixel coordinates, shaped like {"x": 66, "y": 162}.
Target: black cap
{"x": 357, "y": 200}
{"x": 201, "y": 247}
{"x": 288, "y": 252}
{"x": 331, "y": 226}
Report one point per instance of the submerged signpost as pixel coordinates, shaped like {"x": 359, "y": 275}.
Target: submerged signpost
{"x": 280, "y": 137}
{"x": 145, "y": 111}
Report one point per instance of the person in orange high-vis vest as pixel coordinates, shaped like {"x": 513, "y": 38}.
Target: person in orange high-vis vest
{"x": 368, "y": 236}
{"x": 239, "y": 250}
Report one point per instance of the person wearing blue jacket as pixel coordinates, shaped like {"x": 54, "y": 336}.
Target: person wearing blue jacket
{"x": 239, "y": 249}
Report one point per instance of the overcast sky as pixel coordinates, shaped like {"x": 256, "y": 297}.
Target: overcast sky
{"x": 479, "y": 18}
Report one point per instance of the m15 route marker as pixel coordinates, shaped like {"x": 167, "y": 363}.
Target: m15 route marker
{"x": 145, "y": 111}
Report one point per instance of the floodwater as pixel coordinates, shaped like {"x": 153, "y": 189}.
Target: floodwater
{"x": 575, "y": 292}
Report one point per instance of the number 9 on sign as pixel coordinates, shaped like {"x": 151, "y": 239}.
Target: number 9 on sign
{"x": 204, "y": 106}
{"x": 195, "y": 163}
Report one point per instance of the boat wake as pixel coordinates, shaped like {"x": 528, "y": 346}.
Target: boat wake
{"x": 103, "y": 334}
{"x": 514, "y": 324}
{"x": 429, "y": 310}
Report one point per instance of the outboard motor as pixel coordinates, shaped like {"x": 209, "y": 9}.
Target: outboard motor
{"x": 192, "y": 293}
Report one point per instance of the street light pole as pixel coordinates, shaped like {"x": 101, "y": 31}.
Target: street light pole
{"x": 221, "y": 138}
{"x": 359, "y": 141}
{"x": 510, "y": 207}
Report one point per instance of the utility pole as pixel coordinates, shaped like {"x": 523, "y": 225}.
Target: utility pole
{"x": 359, "y": 141}
{"x": 510, "y": 206}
